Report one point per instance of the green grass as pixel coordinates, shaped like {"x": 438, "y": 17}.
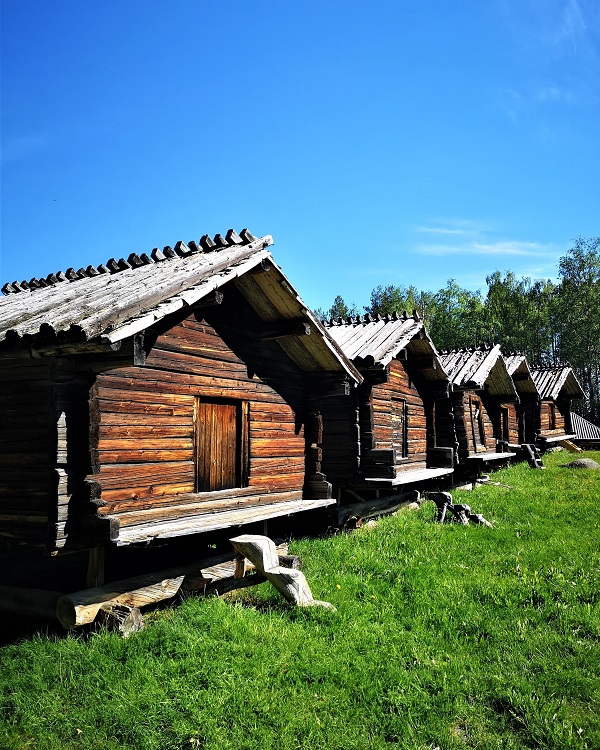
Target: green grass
{"x": 444, "y": 637}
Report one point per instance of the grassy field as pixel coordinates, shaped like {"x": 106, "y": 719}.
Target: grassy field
{"x": 444, "y": 637}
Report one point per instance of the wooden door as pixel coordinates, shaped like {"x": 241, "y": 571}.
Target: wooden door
{"x": 477, "y": 427}
{"x": 504, "y": 417}
{"x": 217, "y": 445}
{"x": 399, "y": 427}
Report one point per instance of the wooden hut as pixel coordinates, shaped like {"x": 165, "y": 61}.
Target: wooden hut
{"x": 587, "y": 434}
{"x": 527, "y": 408}
{"x": 161, "y": 395}
{"x": 483, "y": 401}
{"x": 557, "y": 387}
{"x": 397, "y": 430}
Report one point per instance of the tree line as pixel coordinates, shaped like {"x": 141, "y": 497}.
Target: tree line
{"x": 550, "y": 323}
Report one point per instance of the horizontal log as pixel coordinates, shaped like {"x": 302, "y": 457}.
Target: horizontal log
{"x": 193, "y": 364}
{"x": 146, "y": 443}
{"x": 27, "y": 459}
{"x": 267, "y": 450}
{"x": 126, "y": 406}
{"x": 29, "y": 602}
{"x": 143, "y": 456}
{"x": 177, "y": 384}
{"x": 374, "y": 508}
{"x": 152, "y": 493}
{"x": 200, "y": 577}
{"x": 286, "y": 329}
{"x": 114, "y": 473}
{"x": 204, "y": 507}
{"x": 202, "y": 502}
{"x": 291, "y": 481}
{"x": 150, "y": 395}
{"x": 145, "y": 431}
{"x": 125, "y": 421}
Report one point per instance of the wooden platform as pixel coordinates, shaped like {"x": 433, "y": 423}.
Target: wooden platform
{"x": 555, "y": 438}
{"x": 406, "y": 477}
{"x": 201, "y": 523}
{"x": 491, "y": 456}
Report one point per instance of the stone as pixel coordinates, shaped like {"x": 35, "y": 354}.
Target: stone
{"x": 582, "y": 463}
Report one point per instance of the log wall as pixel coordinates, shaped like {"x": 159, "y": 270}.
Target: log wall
{"x": 510, "y": 408}
{"x": 468, "y": 443}
{"x": 143, "y": 453}
{"x": 445, "y": 425}
{"x": 341, "y": 439}
{"x": 399, "y": 386}
{"x": 27, "y": 451}
{"x": 528, "y": 415}
{"x": 561, "y": 412}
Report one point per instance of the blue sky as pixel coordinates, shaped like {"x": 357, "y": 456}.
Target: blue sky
{"x": 379, "y": 143}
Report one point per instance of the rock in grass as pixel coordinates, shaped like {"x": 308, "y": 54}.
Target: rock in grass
{"x": 582, "y": 463}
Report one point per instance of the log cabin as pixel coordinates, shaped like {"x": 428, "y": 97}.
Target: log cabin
{"x": 161, "y": 395}
{"x": 397, "y": 429}
{"x": 483, "y": 403}
{"x": 527, "y": 408}
{"x": 557, "y": 387}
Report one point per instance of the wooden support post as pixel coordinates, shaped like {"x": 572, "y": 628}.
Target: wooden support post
{"x": 95, "y": 571}
{"x": 240, "y": 566}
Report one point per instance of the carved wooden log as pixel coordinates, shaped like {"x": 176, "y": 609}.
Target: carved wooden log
{"x": 443, "y": 501}
{"x": 290, "y": 582}
{"x": 461, "y": 513}
{"x": 478, "y": 518}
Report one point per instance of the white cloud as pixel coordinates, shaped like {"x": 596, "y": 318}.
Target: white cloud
{"x": 571, "y": 26}
{"x": 501, "y": 248}
{"x": 476, "y": 239}
{"x": 21, "y": 147}
{"x": 454, "y": 227}
{"x": 553, "y": 93}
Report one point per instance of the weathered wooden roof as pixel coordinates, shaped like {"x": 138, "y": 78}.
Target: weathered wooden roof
{"x": 378, "y": 339}
{"x": 553, "y": 382}
{"x": 479, "y": 368}
{"x": 116, "y": 300}
{"x": 583, "y": 428}
{"x": 518, "y": 369}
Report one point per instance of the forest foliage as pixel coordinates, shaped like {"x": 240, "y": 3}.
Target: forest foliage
{"x": 551, "y": 323}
